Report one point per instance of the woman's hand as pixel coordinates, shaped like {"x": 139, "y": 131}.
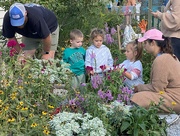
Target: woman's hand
{"x": 135, "y": 89}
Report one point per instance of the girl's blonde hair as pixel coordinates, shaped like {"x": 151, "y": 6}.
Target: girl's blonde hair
{"x": 136, "y": 46}
{"x": 96, "y": 32}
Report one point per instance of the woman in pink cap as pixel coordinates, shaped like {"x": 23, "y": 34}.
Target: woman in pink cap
{"x": 165, "y": 74}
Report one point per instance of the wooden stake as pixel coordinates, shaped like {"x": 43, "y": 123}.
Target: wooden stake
{"x": 119, "y": 37}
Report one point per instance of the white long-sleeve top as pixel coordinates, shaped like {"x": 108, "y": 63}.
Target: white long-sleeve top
{"x": 102, "y": 56}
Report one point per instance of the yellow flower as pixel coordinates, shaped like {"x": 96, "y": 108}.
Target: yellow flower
{"x": 24, "y": 108}
{"x": 0, "y": 101}
{"x": 29, "y": 76}
{"x": 34, "y": 125}
{"x": 44, "y": 113}
{"x": 21, "y": 103}
{"x": 173, "y": 103}
{"x": 1, "y": 92}
{"x": 22, "y": 119}
{"x": 11, "y": 120}
{"x": 62, "y": 49}
{"x": 31, "y": 115}
{"x": 20, "y": 87}
{"x": 46, "y": 132}
{"x": 161, "y": 92}
{"x": 50, "y": 106}
{"x": 6, "y": 108}
{"x": 18, "y": 107}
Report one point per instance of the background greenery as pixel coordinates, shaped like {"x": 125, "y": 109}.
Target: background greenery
{"x": 85, "y": 15}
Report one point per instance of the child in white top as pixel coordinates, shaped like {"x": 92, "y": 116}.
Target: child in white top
{"x": 98, "y": 54}
{"x": 133, "y": 67}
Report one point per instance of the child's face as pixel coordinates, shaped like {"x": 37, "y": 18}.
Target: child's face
{"x": 77, "y": 42}
{"x": 130, "y": 54}
{"x": 97, "y": 41}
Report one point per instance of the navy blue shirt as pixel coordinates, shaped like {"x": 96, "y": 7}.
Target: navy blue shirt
{"x": 41, "y": 22}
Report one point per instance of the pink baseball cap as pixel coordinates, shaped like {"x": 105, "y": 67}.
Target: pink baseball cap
{"x": 152, "y": 34}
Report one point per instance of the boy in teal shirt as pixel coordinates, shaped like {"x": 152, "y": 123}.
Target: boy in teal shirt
{"x": 75, "y": 56}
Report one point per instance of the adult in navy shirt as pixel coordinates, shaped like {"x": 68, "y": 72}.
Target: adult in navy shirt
{"x": 36, "y": 24}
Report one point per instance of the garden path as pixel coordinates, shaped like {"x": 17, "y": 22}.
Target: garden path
{"x": 174, "y": 129}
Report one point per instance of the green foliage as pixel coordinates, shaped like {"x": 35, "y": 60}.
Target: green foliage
{"x": 26, "y": 98}
{"x": 138, "y": 122}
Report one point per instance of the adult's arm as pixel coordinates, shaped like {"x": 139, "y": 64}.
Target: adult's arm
{"x": 159, "y": 75}
{"x": 47, "y": 43}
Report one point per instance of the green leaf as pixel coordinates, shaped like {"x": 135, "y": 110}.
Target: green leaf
{"x": 124, "y": 126}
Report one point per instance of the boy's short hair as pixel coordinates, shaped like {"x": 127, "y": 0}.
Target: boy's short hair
{"x": 75, "y": 33}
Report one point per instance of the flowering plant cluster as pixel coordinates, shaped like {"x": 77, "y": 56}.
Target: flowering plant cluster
{"x": 110, "y": 34}
{"x": 11, "y": 44}
{"x": 57, "y": 70}
{"x": 26, "y": 98}
{"x": 69, "y": 124}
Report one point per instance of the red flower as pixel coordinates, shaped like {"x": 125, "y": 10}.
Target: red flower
{"x": 103, "y": 67}
{"x": 22, "y": 45}
{"x": 89, "y": 69}
{"x": 11, "y": 43}
{"x": 57, "y": 110}
{"x": 12, "y": 52}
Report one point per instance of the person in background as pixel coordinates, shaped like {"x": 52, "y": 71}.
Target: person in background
{"x": 36, "y": 24}
{"x": 165, "y": 75}
{"x": 170, "y": 25}
{"x": 98, "y": 54}
{"x": 75, "y": 56}
{"x": 133, "y": 67}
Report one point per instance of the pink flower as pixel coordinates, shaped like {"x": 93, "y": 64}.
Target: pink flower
{"x": 103, "y": 67}
{"x": 11, "y": 43}
{"x": 22, "y": 45}
{"x": 89, "y": 69}
{"x": 12, "y": 52}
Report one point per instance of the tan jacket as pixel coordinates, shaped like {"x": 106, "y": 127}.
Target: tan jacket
{"x": 164, "y": 83}
{"x": 170, "y": 20}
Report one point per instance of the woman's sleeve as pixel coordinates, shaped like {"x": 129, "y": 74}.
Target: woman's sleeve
{"x": 170, "y": 20}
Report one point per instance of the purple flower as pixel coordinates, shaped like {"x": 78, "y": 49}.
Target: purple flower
{"x": 101, "y": 94}
{"x": 93, "y": 55}
{"x": 109, "y": 95}
{"x": 83, "y": 84}
{"x": 109, "y": 39}
{"x": 96, "y": 80}
{"x": 113, "y": 31}
{"x": 72, "y": 102}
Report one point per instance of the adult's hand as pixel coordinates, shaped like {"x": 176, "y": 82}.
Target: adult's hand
{"x": 46, "y": 56}
{"x": 155, "y": 14}
{"x": 135, "y": 89}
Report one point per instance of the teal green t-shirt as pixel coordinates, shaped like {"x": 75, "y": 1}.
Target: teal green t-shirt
{"x": 76, "y": 58}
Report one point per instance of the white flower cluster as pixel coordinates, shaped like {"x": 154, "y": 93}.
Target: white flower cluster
{"x": 69, "y": 124}
{"x": 109, "y": 109}
{"x": 56, "y": 70}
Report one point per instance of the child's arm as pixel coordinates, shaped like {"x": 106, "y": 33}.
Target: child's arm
{"x": 134, "y": 74}
{"x": 88, "y": 61}
{"x": 65, "y": 58}
{"x": 110, "y": 60}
